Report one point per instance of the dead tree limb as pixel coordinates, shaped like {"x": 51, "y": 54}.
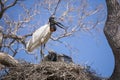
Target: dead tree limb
{"x": 7, "y": 60}
{"x": 4, "y": 8}
{"x": 20, "y": 39}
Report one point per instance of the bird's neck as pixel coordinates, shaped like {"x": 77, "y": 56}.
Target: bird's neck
{"x": 52, "y": 27}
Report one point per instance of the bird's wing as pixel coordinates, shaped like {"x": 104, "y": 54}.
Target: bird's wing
{"x": 40, "y": 36}
{"x": 40, "y": 33}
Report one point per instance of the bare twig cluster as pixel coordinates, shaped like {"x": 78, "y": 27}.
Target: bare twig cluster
{"x": 4, "y": 8}
{"x": 11, "y": 37}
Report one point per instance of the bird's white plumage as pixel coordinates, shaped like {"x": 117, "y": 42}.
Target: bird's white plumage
{"x": 39, "y": 37}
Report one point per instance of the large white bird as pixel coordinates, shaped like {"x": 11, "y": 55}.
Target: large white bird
{"x": 42, "y": 35}
{"x": 39, "y": 37}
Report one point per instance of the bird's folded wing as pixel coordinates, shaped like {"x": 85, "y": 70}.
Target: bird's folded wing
{"x": 40, "y": 36}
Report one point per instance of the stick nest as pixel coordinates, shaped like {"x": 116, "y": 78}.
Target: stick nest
{"x": 48, "y": 71}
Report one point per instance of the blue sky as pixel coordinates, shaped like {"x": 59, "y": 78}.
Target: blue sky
{"x": 86, "y": 48}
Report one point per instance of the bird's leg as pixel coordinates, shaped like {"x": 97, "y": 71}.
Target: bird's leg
{"x": 41, "y": 51}
{"x": 44, "y": 46}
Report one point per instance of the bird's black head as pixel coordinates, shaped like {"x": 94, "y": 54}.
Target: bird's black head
{"x": 53, "y": 24}
{"x": 52, "y": 55}
{"x": 52, "y": 19}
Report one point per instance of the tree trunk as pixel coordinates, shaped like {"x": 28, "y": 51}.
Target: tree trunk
{"x": 112, "y": 33}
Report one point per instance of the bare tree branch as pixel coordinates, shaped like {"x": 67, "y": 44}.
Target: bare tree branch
{"x": 7, "y": 60}
{"x": 4, "y": 8}
{"x": 12, "y": 4}
{"x": 20, "y": 39}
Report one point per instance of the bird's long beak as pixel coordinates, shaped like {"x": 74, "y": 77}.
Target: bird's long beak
{"x": 59, "y": 25}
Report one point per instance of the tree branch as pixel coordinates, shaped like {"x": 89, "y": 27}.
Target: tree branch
{"x": 12, "y": 4}
{"x": 20, "y": 39}
{"x": 7, "y": 60}
{"x": 3, "y": 8}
